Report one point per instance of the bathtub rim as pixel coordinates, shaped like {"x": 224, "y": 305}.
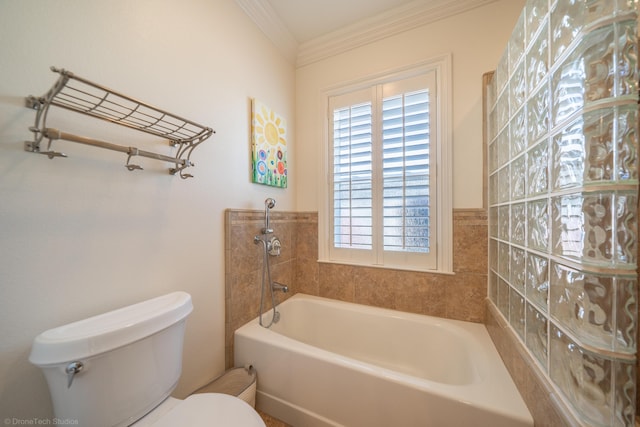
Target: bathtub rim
{"x": 503, "y": 398}
{"x": 463, "y": 332}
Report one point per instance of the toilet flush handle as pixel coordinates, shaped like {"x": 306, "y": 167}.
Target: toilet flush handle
{"x": 72, "y": 369}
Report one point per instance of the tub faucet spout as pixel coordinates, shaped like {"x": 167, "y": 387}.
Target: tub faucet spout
{"x": 280, "y": 287}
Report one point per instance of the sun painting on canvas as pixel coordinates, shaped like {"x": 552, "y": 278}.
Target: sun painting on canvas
{"x": 269, "y": 146}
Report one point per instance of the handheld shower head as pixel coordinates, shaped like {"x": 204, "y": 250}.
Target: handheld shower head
{"x": 268, "y": 205}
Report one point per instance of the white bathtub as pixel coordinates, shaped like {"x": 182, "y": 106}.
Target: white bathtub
{"x": 331, "y": 363}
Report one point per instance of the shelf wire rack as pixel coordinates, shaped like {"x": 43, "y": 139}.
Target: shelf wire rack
{"x": 80, "y": 95}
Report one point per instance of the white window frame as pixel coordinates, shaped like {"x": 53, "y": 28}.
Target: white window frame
{"x": 441, "y": 166}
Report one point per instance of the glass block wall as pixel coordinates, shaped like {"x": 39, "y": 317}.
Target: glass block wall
{"x": 562, "y": 120}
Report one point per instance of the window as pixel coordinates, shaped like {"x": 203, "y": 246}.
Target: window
{"x": 384, "y": 202}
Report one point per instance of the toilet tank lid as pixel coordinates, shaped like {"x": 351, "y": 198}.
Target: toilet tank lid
{"x": 107, "y": 331}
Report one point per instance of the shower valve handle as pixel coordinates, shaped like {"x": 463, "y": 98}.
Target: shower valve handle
{"x": 274, "y": 246}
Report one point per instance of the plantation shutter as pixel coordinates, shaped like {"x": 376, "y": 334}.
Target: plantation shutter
{"x": 382, "y": 174}
{"x": 352, "y": 177}
{"x": 405, "y": 169}
{"x": 351, "y": 118}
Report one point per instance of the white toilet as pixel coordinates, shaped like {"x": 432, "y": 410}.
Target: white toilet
{"x": 119, "y": 369}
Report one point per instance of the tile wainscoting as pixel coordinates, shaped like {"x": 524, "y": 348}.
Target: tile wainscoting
{"x": 459, "y": 296}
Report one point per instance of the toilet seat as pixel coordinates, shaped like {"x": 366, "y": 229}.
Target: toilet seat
{"x": 203, "y": 410}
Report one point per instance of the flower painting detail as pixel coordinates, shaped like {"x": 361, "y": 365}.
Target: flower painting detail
{"x": 268, "y": 146}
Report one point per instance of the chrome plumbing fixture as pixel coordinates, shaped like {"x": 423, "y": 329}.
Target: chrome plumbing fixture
{"x": 274, "y": 246}
{"x": 268, "y": 205}
{"x": 271, "y": 246}
{"x": 72, "y": 369}
{"x": 279, "y": 287}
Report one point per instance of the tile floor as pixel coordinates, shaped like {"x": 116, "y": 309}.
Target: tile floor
{"x": 272, "y": 422}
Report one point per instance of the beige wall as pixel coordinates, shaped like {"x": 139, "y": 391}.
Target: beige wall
{"x": 82, "y": 235}
{"x": 475, "y": 39}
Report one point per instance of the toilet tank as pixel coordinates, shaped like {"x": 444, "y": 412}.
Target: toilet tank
{"x": 131, "y": 361}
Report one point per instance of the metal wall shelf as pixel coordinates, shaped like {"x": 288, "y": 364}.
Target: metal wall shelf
{"x": 77, "y": 94}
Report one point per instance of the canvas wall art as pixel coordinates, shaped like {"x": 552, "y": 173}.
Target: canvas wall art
{"x": 268, "y": 146}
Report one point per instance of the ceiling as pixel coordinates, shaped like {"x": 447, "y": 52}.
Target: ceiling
{"x": 309, "y": 19}
{"x": 306, "y": 31}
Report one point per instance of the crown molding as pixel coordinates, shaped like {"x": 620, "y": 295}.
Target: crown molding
{"x": 263, "y": 15}
{"x": 394, "y": 21}
{"x": 384, "y": 25}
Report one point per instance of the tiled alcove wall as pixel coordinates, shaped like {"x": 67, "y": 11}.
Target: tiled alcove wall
{"x": 562, "y": 131}
{"x": 460, "y": 296}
